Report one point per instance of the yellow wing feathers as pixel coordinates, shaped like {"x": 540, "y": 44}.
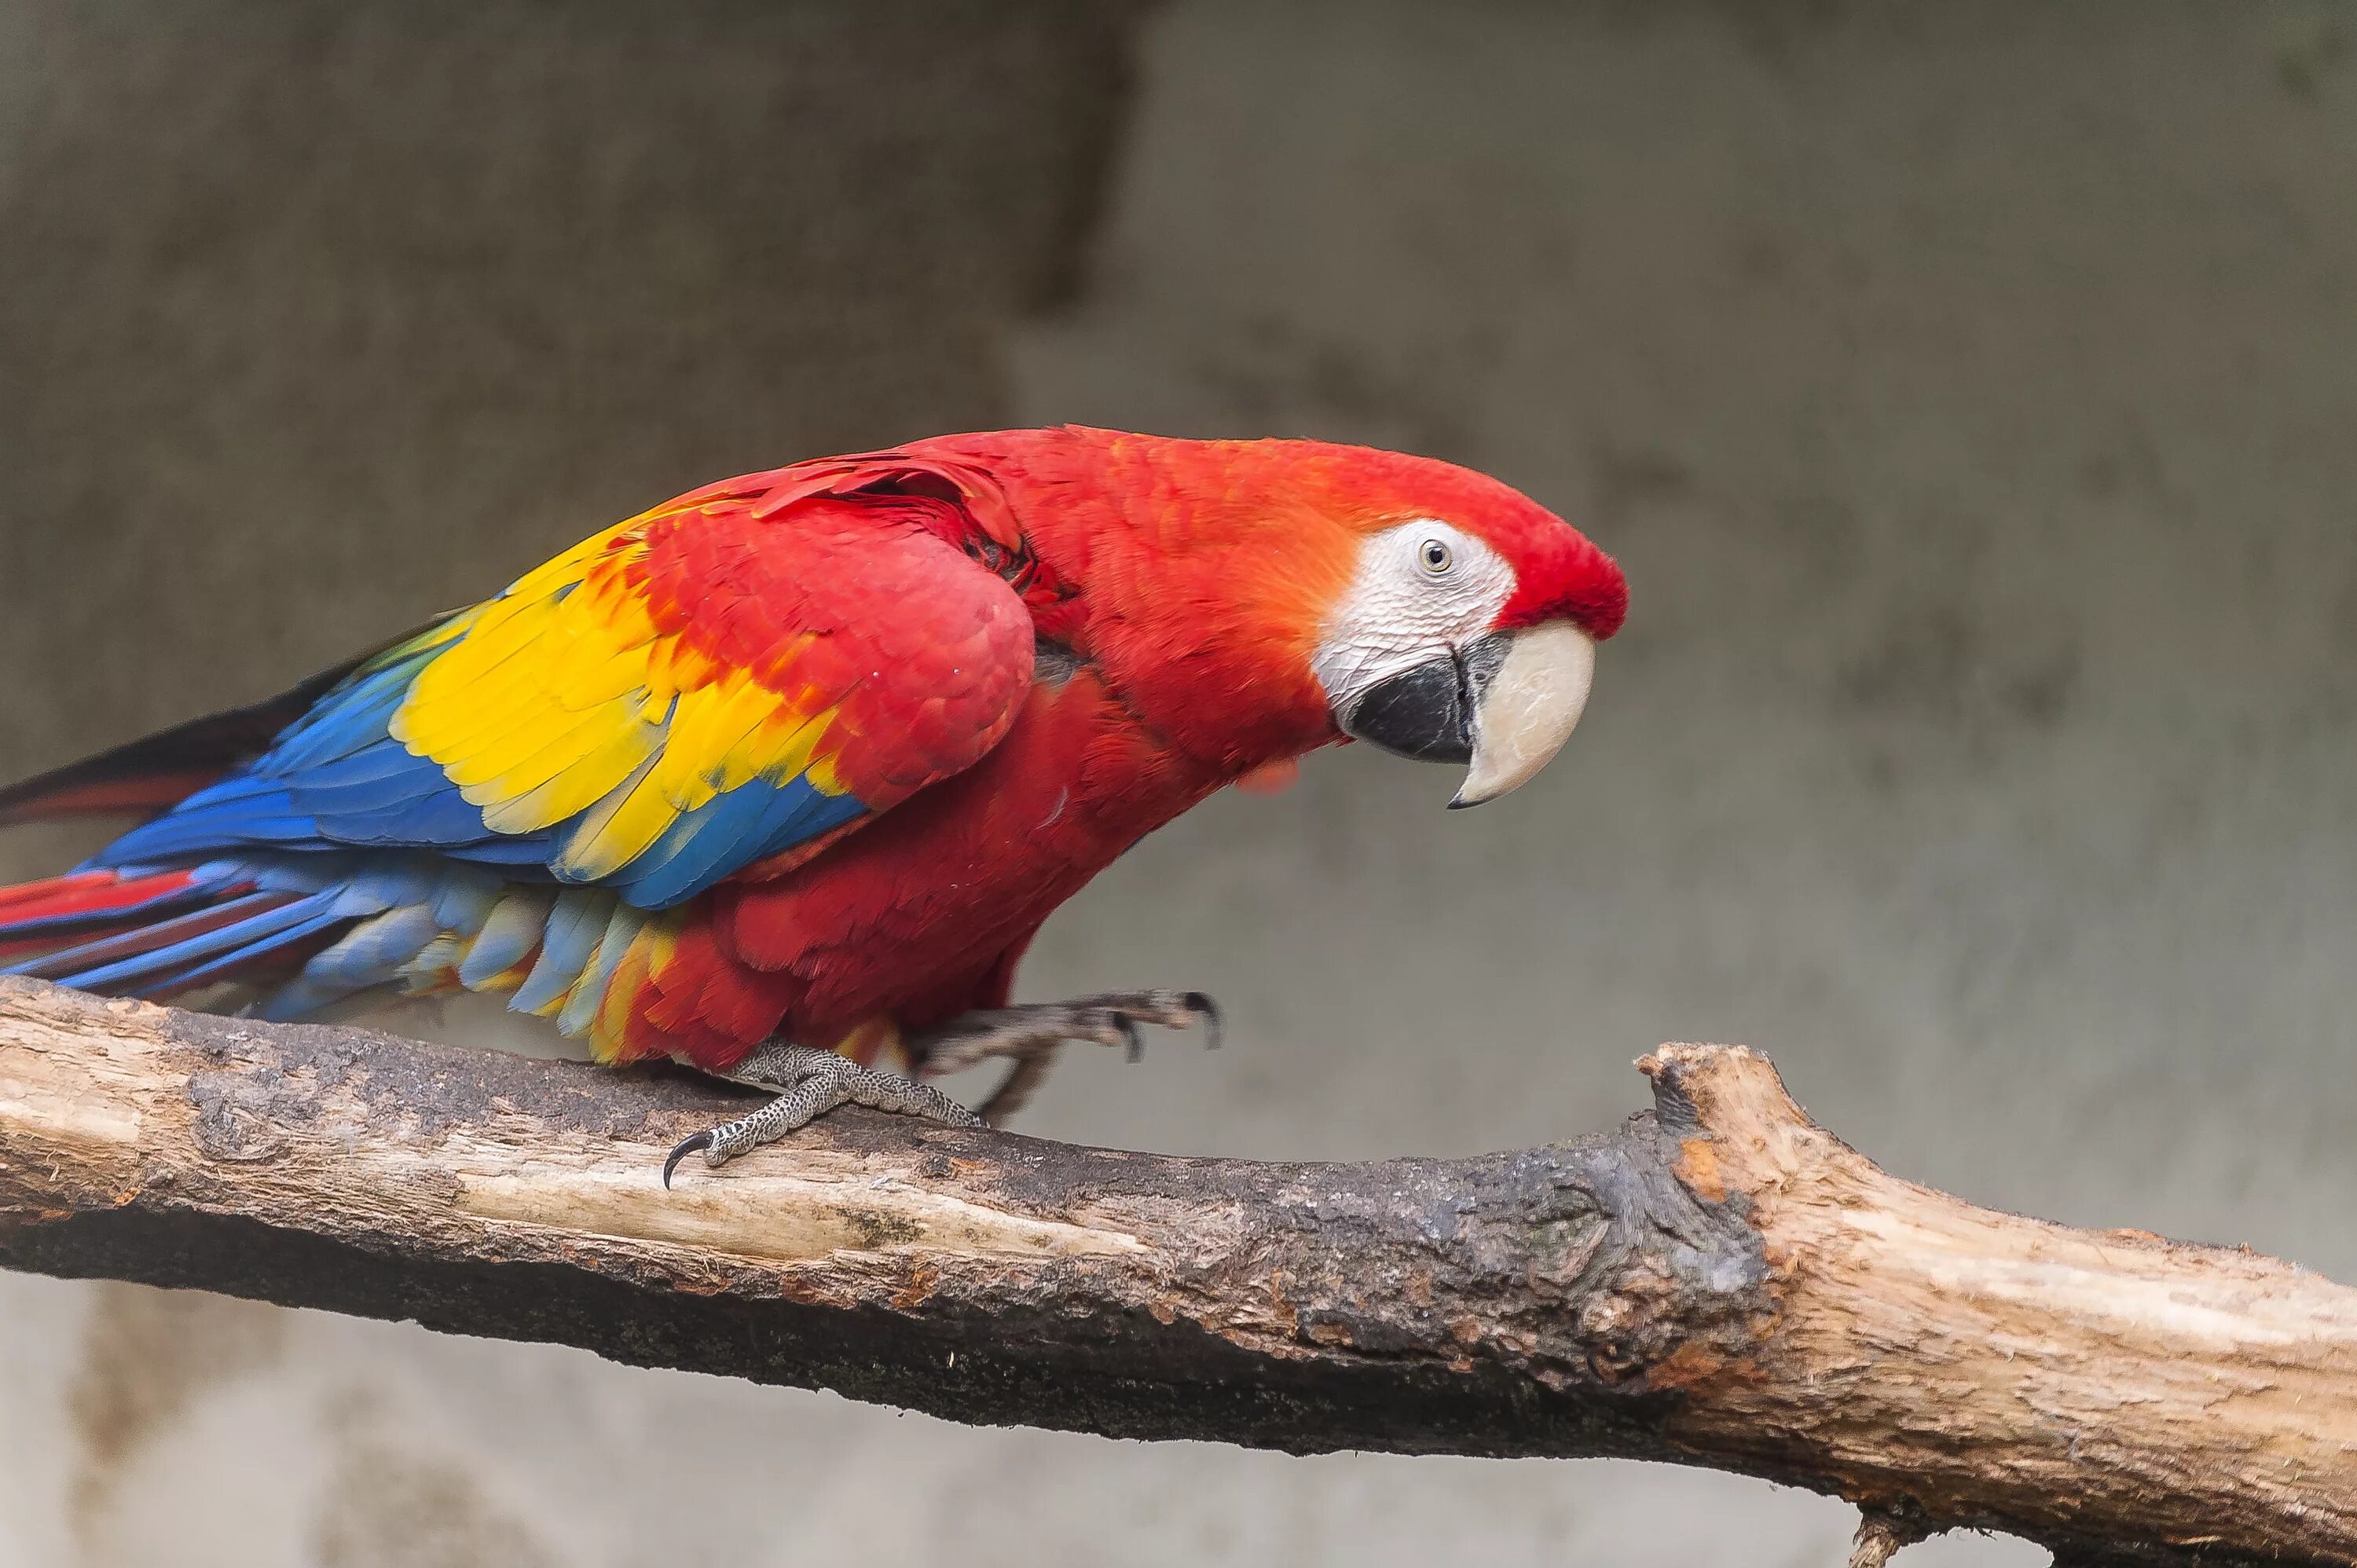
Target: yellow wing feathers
{"x": 565, "y": 696}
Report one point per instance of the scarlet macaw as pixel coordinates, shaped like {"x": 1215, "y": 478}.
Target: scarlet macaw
{"x": 781, "y": 778}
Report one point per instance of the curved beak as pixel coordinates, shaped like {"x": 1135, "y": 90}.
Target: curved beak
{"x": 1528, "y": 708}
{"x": 1504, "y": 704}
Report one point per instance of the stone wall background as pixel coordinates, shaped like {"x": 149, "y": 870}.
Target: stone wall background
{"x": 1968, "y": 391}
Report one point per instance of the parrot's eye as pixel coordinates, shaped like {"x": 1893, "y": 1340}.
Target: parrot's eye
{"x": 1437, "y": 557}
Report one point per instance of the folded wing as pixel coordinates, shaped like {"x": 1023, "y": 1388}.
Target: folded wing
{"x": 509, "y": 799}
{"x": 679, "y": 698}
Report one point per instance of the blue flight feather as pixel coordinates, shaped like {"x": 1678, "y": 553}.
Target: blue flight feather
{"x": 507, "y": 939}
{"x": 209, "y": 945}
{"x": 229, "y": 963}
{"x": 566, "y": 944}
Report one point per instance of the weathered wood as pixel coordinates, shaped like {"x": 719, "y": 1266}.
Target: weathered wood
{"x": 1719, "y": 1281}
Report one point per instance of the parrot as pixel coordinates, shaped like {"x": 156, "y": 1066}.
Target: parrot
{"x": 779, "y": 778}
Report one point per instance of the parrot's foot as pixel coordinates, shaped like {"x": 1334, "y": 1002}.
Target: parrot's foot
{"x": 1030, "y": 1035}
{"x": 811, "y": 1083}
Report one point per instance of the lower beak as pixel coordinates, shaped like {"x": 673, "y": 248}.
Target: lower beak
{"x": 1504, "y": 704}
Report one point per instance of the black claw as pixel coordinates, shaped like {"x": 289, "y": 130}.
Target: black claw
{"x": 1203, "y": 1007}
{"x": 701, "y": 1141}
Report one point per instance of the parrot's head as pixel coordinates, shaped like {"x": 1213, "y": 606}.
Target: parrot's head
{"x": 1465, "y": 630}
{"x": 1254, "y": 599}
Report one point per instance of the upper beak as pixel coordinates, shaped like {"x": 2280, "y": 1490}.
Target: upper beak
{"x": 1504, "y": 703}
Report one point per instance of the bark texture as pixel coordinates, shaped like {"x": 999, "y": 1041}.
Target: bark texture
{"x": 1717, "y": 1282}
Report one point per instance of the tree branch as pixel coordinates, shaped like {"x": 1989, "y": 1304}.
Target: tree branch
{"x": 1719, "y": 1281}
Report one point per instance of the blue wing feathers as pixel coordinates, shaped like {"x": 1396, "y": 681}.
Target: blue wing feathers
{"x": 729, "y": 831}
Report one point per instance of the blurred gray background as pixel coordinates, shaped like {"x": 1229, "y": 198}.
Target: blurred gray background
{"x": 1970, "y": 391}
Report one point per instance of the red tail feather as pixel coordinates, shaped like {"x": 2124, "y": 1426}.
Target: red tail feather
{"x": 90, "y": 893}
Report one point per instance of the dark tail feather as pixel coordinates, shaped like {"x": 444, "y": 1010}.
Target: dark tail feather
{"x": 157, "y": 772}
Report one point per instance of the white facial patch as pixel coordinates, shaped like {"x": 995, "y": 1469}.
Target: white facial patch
{"x": 1422, "y": 588}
